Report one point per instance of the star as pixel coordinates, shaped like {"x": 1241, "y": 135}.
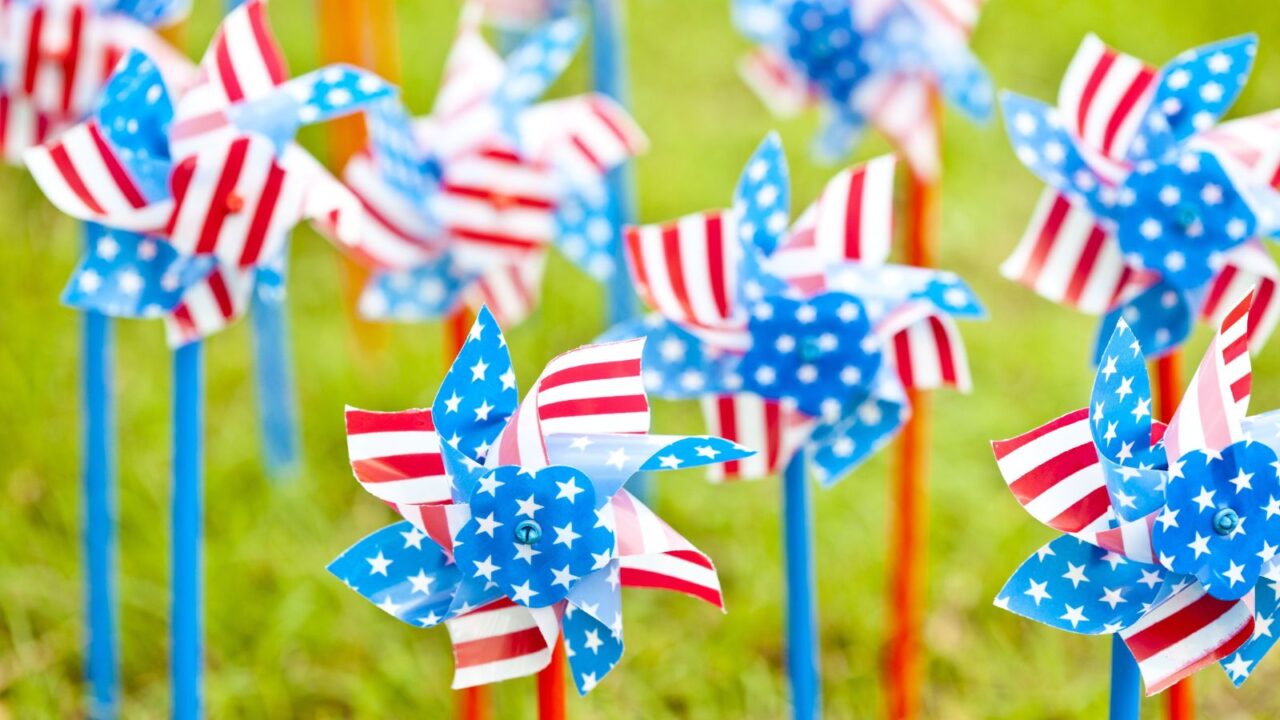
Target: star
{"x": 563, "y": 577}
{"x": 593, "y": 641}
{"x": 1205, "y": 499}
{"x": 1075, "y": 573}
{"x": 1125, "y": 453}
{"x": 599, "y": 560}
{"x": 1234, "y": 573}
{"x": 669, "y": 461}
{"x": 388, "y": 606}
{"x": 1168, "y": 518}
{"x": 706, "y": 451}
{"x": 1110, "y": 434}
{"x": 580, "y": 443}
{"x": 508, "y": 379}
{"x": 90, "y": 281}
{"x": 568, "y": 490}
{"x": 1110, "y": 368}
{"x": 1150, "y": 578}
{"x": 490, "y": 484}
{"x": 528, "y": 507}
{"x": 130, "y": 282}
{"x": 1126, "y": 388}
{"x": 451, "y": 404}
{"x": 1043, "y": 552}
{"x": 1075, "y": 615}
{"x": 617, "y": 458}
{"x": 476, "y": 331}
{"x": 1200, "y": 545}
{"x": 1129, "y": 501}
{"x": 565, "y": 535}
{"x": 421, "y": 582}
{"x": 1113, "y": 559}
{"x": 487, "y": 525}
{"x": 431, "y": 619}
{"x": 1219, "y": 63}
{"x": 1273, "y": 507}
{"x": 378, "y": 565}
{"x": 526, "y": 552}
{"x": 588, "y": 682}
{"x": 482, "y": 412}
{"x": 847, "y": 312}
{"x": 1262, "y": 626}
{"x": 1038, "y": 591}
{"x": 1267, "y": 552}
{"x": 485, "y": 568}
{"x": 1242, "y": 481}
{"x": 478, "y": 370}
{"x": 1143, "y": 409}
{"x": 1238, "y": 667}
{"x": 523, "y": 593}
{"x": 413, "y": 538}
{"x": 1112, "y": 597}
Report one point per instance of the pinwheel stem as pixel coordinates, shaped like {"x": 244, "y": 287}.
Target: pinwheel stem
{"x": 277, "y": 399}
{"x": 1168, "y": 372}
{"x": 801, "y": 599}
{"x": 188, "y": 533}
{"x": 1126, "y": 687}
{"x": 551, "y": 693}
{"x": 909, "y": 497}
{"x": 99, "y": 475}
{"x": 360, "y": 32}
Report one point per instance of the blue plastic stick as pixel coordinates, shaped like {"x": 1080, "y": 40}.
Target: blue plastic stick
{"x": 277, "y": 401}
{"x": 188, "y": 535}
{"x": 99, "y": 473}
{"x": 801, "y": 603}
{"x": 1126, "y": 683}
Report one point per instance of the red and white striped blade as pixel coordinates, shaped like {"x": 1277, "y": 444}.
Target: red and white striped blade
{"x": 584, "y": 136}
{"x": 687, "y": 270}
{"x": 1247, "y": 266}
{"x": 22, "y": 127}
{"x": 463, "y": 115}
{"x": 496, "y": 206}
{"x": 1054, "y": 472}
{"x": 1188, "y": 631}
{"x": 1103, "y": 99}
{"x": 393, "y": 234}
{"x": 902, "y": 107}
{"x": 396, "y": 456}
{"x": 774, "y": 430}
{"x": 210, "y": 305}
{"x": 235, "y": 202}
{"x": 1217, "y": 401}
{"x": 1132, "y": 539}
{"x": 57, "y": 54}
{"x": 501, "y": 641}
{"x": 510, "y": 291}
{"x": 929, "y": 354}
{"x": 782, "y": 88}
{"x": 1068, "y": 258}
{"x": 1251, "y": 142}
{"x": 652, "y": 555}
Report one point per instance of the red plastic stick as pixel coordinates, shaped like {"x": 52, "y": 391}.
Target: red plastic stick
{"x": 1168, "y": 390}
{"x": 910, "y": 491}
{"x": 551, "y": 687}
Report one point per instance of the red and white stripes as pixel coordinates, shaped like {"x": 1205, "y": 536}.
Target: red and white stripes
{"x": 652, "y": 555}
{"x": 583, "y": 136}
{"x": 782, "y": 88}
{"x": 1248, "y": 266}
{"x": 905, "y": 111}
{"x": 1102, "y": 100}
{"x": 1054, "y": 472}
{"x": 929, "y": 354}
{"x": 396, "y": 456}
{"x": 773, "y": 430}
{"x": 209, "y": 305}
{"x": 509, "y": 291}
{"x": 57, "y": 55}
{"x": 687, "y": 270}
{"x": 495, "y": 204}
{"x": 1209, "y": 416}
{"x": 1188, "y": 631}
{"x": 393, "y": 234}
{"x": 1132, "y": 539}
{"x": 501, "y": 641}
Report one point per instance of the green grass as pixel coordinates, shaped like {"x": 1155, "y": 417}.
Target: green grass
{"x": 287, "y": 640}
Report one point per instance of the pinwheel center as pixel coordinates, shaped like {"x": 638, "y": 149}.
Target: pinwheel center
{"x": 234, "y": 202}
{"x": 528, "y": 532}
{"x": 1186, "y": 216}
{"x": 810, "y": 349}
{"x": 501, "y": 201}
{"x": 1225, "y": 521}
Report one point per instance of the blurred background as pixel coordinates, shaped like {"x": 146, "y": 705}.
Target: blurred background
{"x": 284, "y": 639}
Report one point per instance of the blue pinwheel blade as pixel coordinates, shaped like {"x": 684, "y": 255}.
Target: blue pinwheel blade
{"x": 123, "y": 274}
{"x": 838, "y": 448}
{"x": 1241, "y": 664}
{"x": 397, "y": 156}
{"x": 478, "y": 394}
{"x": 965, "y": 83}
{"x": 1071, "y": 585}
{"x": 839, "y": 132}
{"x": 593, "y": 648}
{"x": 427, "y": 292}
{"x": 1160, "y": 318}
{"x": 1198, "y": 87}
{"x": 1121, "y": 403}
{"x": 610, "y": 460}
{"x": 1042, "y": 143}
{"x": 763, "y": 197}
{"x": 761, "y": 21}
{"x": 677, "y": 365}
{"x": 884, "y": 288}
{"x": 152, "y": 13}
{"x": 587, "y": 233}
{"x": 402, "y": 572}
{"x": 316, "y": 97}
{"x": 538, "y": 62}
{"x": 134, "y": 113}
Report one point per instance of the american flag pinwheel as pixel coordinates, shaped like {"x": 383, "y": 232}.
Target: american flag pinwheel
{"x": 55, "y": 56}
{"x": 467, "y": 201}
{"x": 530, "y": 532}
{"x": 193, "y": 195}
{"x": 876, "y": 62}
{"x": 801, "y": 338}
{"x": 1152, "y": 213}
{"x": 1171, "y": 533}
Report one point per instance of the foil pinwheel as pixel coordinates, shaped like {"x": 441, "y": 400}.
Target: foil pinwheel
{"x": 55, "y": 56}
{"x": 1170, "y": 533}
{"x": 530, "y": 531}
{"x": 879, "y": 62}
{"x": 798, "y": 339}
{"x": 1152, "y": 214}
{"x": 467, "y": 201}
{"x": 193, "y": 195}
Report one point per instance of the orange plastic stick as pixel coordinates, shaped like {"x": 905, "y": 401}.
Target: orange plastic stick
{"x": 551, "y": 687}
{"x": 910, "y": 491}
{"x": 1182, "y": 704}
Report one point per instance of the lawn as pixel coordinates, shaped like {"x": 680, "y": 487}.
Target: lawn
{"x": 284, "y": 639}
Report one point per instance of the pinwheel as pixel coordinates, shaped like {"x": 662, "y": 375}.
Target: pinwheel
{"x": 56, "y": 55}
{"x": 881, "y": 61}
{"x": 468, "y": 200}
{"x": 800, "y": 342}
{"x": 1170, "y": 533}
{"x": 195, "y": 199}
{"x": 1153, "y": 215}
{"x": 530, "y": 531}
